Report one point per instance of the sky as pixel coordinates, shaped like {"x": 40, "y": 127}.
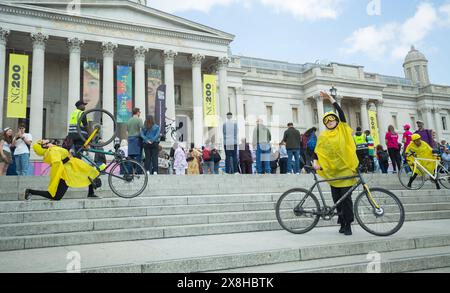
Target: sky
{"x": 376, "y": 34}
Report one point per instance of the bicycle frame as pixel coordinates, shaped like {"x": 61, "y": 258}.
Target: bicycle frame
{"x": 360, "y": 182}
{"x": 423, "y": 169}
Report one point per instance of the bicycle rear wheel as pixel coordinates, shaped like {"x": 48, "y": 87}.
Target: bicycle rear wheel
{"x": 297, "y": 211}
{"x": 383, "y": 221}
{"x": 444, "y": 177}
{"x": 127, "y": 178}
{"x": 404, "y": 175}
{"x": 103, "y": 121}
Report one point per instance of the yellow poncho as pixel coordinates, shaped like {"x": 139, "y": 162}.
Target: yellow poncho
{"x": 336, "y": 152}
{"x": 75, "y": 172}
{"x": 423, "y": 151}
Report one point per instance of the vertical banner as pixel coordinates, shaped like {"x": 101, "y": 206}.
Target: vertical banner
{"x": 124, "y": 93}
{"x": 209, "y": 100}
{"x": 160, "y": 108}
{"x": 373, "y": 124}
{"x": 17, "y": 86}
{"x": 154, "y": 80}
{"x": 91, "y": 85}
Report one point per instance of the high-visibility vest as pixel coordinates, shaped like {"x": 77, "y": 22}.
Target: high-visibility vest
{"x": 360, "y": 141}
{"x": 76, "y": 114}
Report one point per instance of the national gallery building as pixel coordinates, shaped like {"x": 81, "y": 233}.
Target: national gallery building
{"x": 82, "y": 52}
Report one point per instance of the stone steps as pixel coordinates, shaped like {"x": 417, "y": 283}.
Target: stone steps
{"x": 396, "y": 255}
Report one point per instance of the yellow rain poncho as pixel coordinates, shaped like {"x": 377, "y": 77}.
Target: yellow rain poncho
{"x": 336, "y": 152}
{"x": 424, "y": 151}
{"x": 75, "y": 172}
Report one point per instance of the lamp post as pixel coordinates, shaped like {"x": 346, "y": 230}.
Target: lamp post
{"x": 333, "y": 92}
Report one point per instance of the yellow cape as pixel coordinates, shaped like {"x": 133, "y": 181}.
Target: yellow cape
{"x": 336, "y": 152}
{"x": 424, "y": 152}
{"x": 75, "y": 172}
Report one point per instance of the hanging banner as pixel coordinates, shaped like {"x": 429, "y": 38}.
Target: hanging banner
{"x": 160, "y": 108}
{"x": 209, "y": 100}
{"x": 154, "y": 80}
{"x": 91, "y": 85}
{"x": 124, "y": 93}
{"x": 373, "y": 124}
{"x": 17, "y": 86}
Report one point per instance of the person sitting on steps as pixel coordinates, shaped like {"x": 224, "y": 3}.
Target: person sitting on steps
{"x": 65, "y": 172}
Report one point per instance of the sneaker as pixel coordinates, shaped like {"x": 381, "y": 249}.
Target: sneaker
{"x": 93, "y": 196}
{"x": 155, "y": 173}
{"x": 28, "y": 195}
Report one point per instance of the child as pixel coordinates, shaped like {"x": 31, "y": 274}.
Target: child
{"x": 180, "y": 164}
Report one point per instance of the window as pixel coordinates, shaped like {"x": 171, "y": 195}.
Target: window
{"x": 358, "y": 119}
{"x": 413, "y": 122}
{"x": 394, "y": 121}
{"x": 316, "y": 116}
{"x": 295, "y": 115}
{"x": 269, "y": 112}
{"x": 245, "y": 110}
{"x": 444, "y": 123}
{"x": 178, "y": 95}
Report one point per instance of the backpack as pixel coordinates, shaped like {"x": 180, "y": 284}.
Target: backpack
{"x": 312, "y": 141}
{"x": 206, "y": 155}
{"x": 384, "y": 157}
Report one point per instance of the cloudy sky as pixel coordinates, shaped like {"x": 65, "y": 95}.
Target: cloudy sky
{"x": 376, "y": 34}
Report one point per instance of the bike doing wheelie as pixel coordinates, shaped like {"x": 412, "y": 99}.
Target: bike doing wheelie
{"x": 377, "y": 210}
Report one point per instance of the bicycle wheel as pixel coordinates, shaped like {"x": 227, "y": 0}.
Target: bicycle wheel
{"x": 296, "y": 211}
{"x": 104, "y": 122}
{"x": 444, "y": 177}
{"x": 384, "y": 221}
{"x": 127, "y": 178}
{"x": 404, "y": 175}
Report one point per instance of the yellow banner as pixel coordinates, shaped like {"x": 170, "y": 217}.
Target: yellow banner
{"x": 373, "y": 123}
{"x": 17, "y": 86}
{"x": 209, "y": 100}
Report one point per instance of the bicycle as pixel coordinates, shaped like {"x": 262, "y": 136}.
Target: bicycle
{"x": 440, "y": 174}
{"x": 298, "y": 210}
{"x": 127, "y": 178}
{"x": 170, "y": 128}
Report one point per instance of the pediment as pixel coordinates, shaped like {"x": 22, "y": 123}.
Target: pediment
{"x": 129, "y": 12}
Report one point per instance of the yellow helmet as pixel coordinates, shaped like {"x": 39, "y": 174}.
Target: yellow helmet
{"x": 329, "y": 116}
{"x": 38, "y": 149}
{"x": 415, "y": 137}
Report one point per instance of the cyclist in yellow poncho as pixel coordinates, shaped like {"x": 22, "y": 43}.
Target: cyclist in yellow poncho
{"x": 421, "y": 150}
{"x": 65, "y": 172}
{"x": 335, "y": 156}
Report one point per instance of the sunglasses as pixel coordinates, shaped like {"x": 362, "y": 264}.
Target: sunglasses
{"x": 329, "y": 119}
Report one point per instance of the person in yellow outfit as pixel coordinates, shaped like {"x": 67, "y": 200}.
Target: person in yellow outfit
{"x": 334, "y": 157}
{"x": 65, "y": 172}
{"x": 421, "y": 150}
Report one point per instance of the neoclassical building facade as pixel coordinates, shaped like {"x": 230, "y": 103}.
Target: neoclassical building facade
{"x": 60, "y": 36}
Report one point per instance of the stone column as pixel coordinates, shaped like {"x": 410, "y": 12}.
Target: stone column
{"x": 320, "y": 111}
{"x": 3, "y": 40}
{"x": 169, "y": 80}
{"x": 307, "y": 113}
{"x": 382, "y": 122}
{"x": 196, "y": 61}
{"x": 139, "y": 79}
{"x": 108, "y": 84}
{"x": 428, "y": 117}
{"x": 438, "y": 121}
{"x": 37, "y": 85}
{"x": 364, "y": 115}
{"x": 74, "y": 74}
{"x": 223, "y": 95}
{"x": 240, "y": 112}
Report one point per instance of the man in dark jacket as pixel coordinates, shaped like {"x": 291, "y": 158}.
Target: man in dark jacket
{"x": 292, "y": 139}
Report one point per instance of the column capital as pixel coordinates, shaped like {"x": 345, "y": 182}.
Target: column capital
{"x": 39, "y": 40}
{"x": 169, "y": 56}
{"x": 4, "y": 33}
{"x": 364, "y": 100}
{"x": 426, "y": 109}
{"x": 196, "y": 59}
{"x": 223, "y": 62}
{"x": 108, "y": 49}
{"x": 75, "y": 45}
{"x": 139, "y": 52}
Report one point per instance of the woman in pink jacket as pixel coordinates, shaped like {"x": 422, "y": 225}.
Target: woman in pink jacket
{"x": 393, "y": 148}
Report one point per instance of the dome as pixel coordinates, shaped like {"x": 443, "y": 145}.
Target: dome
{"x": 415, "y": 55}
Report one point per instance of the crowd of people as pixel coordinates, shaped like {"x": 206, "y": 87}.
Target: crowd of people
{"x": 15, "y": 151}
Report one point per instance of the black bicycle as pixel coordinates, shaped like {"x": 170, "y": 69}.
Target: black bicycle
{"x": 377, "y": 210}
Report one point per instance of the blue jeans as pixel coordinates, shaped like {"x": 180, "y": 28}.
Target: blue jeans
{"x": 263, "y": 158}
{"x": 22, "y": 163}
{"x": 231, "y": 161}
{"x": 296, "y": 163}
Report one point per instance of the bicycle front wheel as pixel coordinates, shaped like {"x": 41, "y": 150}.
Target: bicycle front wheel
{"x": 384, "y": 220}
{"x": 127, "y": 178}
{"x": 101, "y": 120}
{"x": 404, "y": 175}
{"x": 297, "y": 211}
{"x": 444, "y": 177}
